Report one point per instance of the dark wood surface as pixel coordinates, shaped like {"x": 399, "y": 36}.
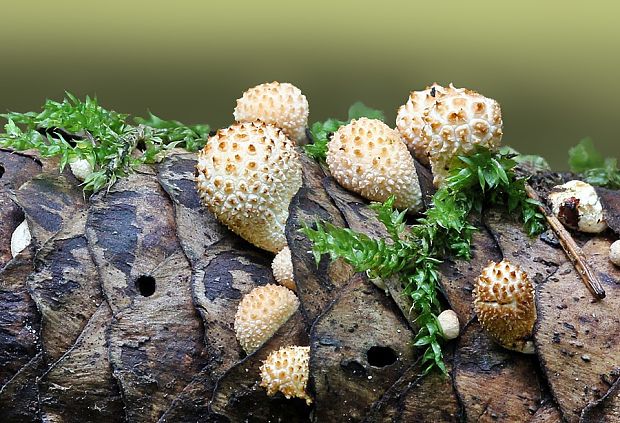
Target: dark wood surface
{"x": 79, "y": 340}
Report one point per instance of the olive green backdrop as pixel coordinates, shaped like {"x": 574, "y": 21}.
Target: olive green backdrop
{"x": 553, "y": 65}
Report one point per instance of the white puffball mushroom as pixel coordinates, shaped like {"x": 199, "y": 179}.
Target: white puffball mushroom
{"x": 441, "y": 123}
{"x": 260, "y": 314}
{"x": 247, "y": 175}
{"x": 504, "y": 301}
{"x": 449, "y": 322}
{"x": 287, "y": 370}
{"x": 614, "y": 253}
{"x": 369, "y": 158}
{"x": 20, "y": 239}
{"x": 282, "y": 267}
{"x": 280, "y": 104}
{"x": 81, "y": 169}
{"x": 577, "y": 206}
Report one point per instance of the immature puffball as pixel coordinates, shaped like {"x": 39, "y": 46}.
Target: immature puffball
{"x": 287, "y": 370}
{"x": 260, "y": 314}
{"x": 247, "y": 175}
{"x": 614, "y": 253}
{"x": 577, "y": 206}
{"x": 505, "y": 305}
{"x": 369, "y": 158}
{"x": 441, "y": 123}
{"x": 280, "y": 104}
{"x": 20, "y": 239}
{"x": 81, "y": 169}
{"x": 449, "y": 322}
{"x": 410, "y": 121}
{"x": 282, "y": 267}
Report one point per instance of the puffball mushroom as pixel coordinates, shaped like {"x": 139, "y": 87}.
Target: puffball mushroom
{"x": 369, "y": 158}
{"x": 20, "y": 239}
{"x": 286, "y": 370}
{"x": 260, "y": 314}
{"x": 247, "y": 175}
{"x": 449, "y": 322}
{"x": 441, "y": 123}
{"x": 577, "y": 206}
{"x": 505, "y": 305}
{"x": 410, "y": 121}
{"x": 614, "y": 253}
{"x": 280, "y": 104}
{"x": 81, "y": 169}
{"x": 282, "y": 267}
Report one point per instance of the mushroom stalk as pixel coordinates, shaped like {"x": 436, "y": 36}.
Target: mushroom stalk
{"x": 572, "y": 250}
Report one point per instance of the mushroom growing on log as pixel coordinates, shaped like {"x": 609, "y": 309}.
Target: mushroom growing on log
{"x": 123, "y": 310}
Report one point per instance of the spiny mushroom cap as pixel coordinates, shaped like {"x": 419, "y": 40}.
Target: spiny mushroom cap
{"x": 504, "y": 303}
{"x": 577, "y": 206}
{"x": 260, "y": 314}
{"x": 286, "y": 370}
{"x": 440, "y": 123}
{"x": 247, "y": 175}
{"x": 410, "y": 122}
{"x": 369, "y": 158}
{"x": 282, "y": 267}
{"x": 281, "y": 104}
{"x": 614, "y": 253}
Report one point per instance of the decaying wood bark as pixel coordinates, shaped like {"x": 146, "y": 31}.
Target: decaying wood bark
{"x": 122, "y": 309}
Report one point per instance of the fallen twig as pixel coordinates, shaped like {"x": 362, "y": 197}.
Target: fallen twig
{"x": 571, "y": 249}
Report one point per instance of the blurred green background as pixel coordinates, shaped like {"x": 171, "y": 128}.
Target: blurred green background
{"x": 552, "y": 65}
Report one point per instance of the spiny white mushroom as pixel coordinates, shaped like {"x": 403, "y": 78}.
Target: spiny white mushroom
{"x": 260, "y": 314}
{"x": 281, "y": 104}
{"x": 81, "y": 169}
{"x": 410, "y": 121}
{"x": 440, "y": 123}
{"x": 282, "y": 267}
{"x": 449, "y": 322}
{"x": 286, "y": 370}
{"x": 247, "y": 175}
{"x": 505, "y": 305}
{"x": 20, "y": 239}
{"x": 369, "y": 158}
{"x": 577, "y": 206}
{"x": 614, "y": 253}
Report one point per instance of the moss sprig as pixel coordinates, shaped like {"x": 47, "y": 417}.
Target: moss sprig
{"x": 75, "y": 129}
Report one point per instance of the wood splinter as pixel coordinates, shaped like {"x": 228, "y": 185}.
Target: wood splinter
{"x": 571, "y": 249}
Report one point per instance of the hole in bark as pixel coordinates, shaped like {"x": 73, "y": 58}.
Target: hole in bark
{"x": 146, "y": 285}
{"x": 381, "y": 356}
{"x": 1, "y": 171}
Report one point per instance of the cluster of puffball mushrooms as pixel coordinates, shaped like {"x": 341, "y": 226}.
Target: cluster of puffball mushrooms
{"x": 249, "y": 172}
